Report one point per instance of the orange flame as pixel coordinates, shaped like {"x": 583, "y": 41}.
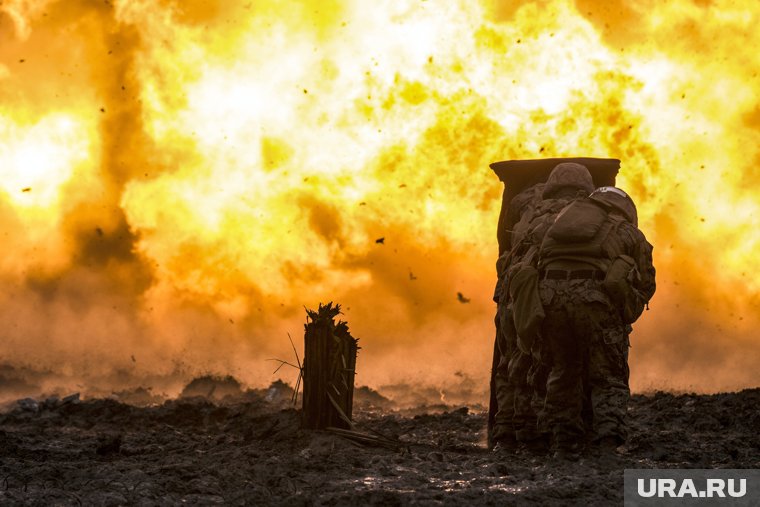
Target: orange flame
{"x": 180, "y": 177}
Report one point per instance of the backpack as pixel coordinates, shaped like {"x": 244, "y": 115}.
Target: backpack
{"x": 580, "y": 233}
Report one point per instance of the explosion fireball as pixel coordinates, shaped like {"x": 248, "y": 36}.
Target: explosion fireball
{"x": 179, "y": 178}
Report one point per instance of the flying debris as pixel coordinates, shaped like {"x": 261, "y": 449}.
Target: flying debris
{"x": 380, "y": 241}
{"x": 411, "y": 276}
{"x": 461, "y": 298}
{"x": 26, "y": 189}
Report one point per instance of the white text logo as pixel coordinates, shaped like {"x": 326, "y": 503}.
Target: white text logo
{"x": 670, "y": 487}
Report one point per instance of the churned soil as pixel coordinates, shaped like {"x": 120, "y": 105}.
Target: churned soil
{"x": 249, "y": 449}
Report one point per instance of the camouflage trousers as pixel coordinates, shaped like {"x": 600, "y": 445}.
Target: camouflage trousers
{"x": 588, "y": 345}
{"x": 503, "y": 429}
{"x": 520, "y": 385}
{"x": 527, "y": 377}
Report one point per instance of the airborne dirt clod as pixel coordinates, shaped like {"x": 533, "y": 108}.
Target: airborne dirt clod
{"x": 249, "y": 450}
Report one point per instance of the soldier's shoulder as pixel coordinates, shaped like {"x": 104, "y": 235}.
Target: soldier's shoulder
{"x": 634, "y": 233}
{"x": 553, "y": 205}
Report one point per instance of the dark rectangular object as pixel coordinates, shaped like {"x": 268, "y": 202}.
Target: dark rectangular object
{"x": 521, "y": 173}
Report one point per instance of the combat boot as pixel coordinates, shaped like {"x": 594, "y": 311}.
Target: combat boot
{"x": 567, "y": 449}
{"x": 567, "y": 453}
{"x": 538, "y": 446}
{"x": 505, "y": 445}
{"x": 608, "y": 444}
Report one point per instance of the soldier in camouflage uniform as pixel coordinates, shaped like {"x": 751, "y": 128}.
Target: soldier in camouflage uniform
{"x": 504, "y": 431}
{"x": 585, "y": 329}
{"x": 520, "y": 378}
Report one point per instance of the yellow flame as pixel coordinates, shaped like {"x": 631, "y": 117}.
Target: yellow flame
{"x": 35, "y": 163}
{"x": 204, "y": 169}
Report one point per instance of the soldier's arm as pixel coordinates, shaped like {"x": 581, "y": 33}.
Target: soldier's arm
{"x": 501, "y": 271}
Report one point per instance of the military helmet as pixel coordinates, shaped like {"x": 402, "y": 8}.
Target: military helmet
{"x": 568, "y": 175}
{"x": 615, "y": 198}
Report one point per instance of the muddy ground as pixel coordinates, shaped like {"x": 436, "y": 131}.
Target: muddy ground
{"x": 248, "y": 449}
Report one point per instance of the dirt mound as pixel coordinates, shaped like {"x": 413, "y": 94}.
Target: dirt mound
{"x": 696, "y": 430}
{"x": 369, "y": 399}
{"x": 249, "y": 450}
{"x": 216, "y": 388}
{"x": 139, "y": 396}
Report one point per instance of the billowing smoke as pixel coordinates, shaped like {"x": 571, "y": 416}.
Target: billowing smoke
{"x": 178, "y": 179}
